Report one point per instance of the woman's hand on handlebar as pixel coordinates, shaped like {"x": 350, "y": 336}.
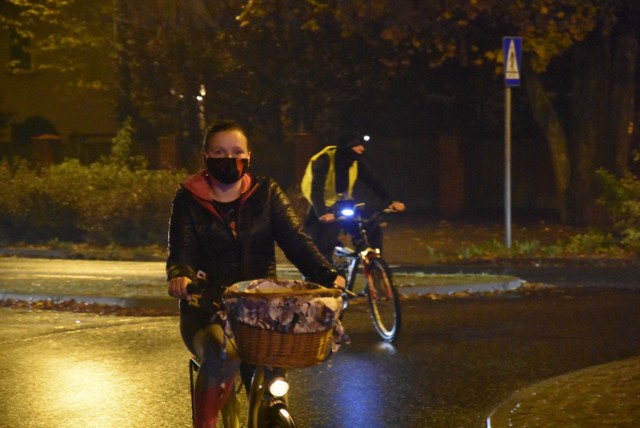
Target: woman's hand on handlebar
{"x": 177, "y": 287}
{"x": 341, "y": 283}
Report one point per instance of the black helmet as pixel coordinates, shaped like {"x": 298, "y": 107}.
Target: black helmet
{"x": 352, "y": 139}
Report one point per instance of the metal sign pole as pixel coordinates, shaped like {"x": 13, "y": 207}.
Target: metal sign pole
{"x": 507, "y": 166}
{"x": 512, "y": 49}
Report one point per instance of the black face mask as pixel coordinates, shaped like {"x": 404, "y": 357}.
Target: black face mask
{"x": 345, "y": 156}
{"x": 227, "y": 170}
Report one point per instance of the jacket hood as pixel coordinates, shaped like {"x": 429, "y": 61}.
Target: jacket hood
{"x": 198, "y": 185}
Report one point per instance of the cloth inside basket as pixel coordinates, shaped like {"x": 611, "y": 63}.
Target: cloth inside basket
{"x": 282, "y": 305}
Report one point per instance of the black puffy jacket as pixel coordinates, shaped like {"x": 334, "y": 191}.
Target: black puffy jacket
{"x": 199, "y": 238}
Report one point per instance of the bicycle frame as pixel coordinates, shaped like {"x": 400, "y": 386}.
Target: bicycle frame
{"x": 362, "y": 253}
{"x": 356, "y": 259}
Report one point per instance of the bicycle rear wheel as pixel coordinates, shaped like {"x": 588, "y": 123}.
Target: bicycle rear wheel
{"x": 384, "y": 300}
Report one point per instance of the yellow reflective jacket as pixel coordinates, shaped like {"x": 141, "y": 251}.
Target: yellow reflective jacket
{"x": 330, "y": 195}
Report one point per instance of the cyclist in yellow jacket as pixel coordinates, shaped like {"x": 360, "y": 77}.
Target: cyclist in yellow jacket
{"x": 331, "y": 175}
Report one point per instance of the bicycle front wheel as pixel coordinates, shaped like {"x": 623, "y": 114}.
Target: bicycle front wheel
{"x": 384, "y": 300}
{"x": 277, "y": 416}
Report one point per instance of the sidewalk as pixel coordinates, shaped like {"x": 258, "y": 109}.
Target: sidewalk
{"x": 142, "y": 284}
{"x": 604, "y": 395}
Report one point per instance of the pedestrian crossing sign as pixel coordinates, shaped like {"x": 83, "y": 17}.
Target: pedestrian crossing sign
{"x": 512, "y": 48}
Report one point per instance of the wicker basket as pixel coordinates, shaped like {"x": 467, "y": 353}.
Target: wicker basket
{"x": 273, "y": 348}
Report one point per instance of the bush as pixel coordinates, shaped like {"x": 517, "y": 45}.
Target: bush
{"x": 15, "y": 197}
{"x": 621, "y": 198}
{"x": 116, "y": 200}
{"x": 130, "y": 207}
{"x": 29, "y": 209}
{"x": 593, "y": 242}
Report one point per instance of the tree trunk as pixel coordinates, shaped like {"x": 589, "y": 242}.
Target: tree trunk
{"x": 598, "y": 133}
{"x": 553, "y": 129}
{"x": 625, "y": 55}
{"x": 589, "y": 144}
{"x": 601, "y": 122}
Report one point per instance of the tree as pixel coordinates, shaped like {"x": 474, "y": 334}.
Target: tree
{"x": 585, "y": 127}
{"x": 270, "y": 70}
{"x": 69, "y": 36}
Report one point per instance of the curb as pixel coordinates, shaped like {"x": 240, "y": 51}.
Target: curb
{"x": 171, "y": 304}
{"x": 412, "y": 282}
{"x": 421, "y": 290}
{"x": 604, "y": 393}
{"x": 124, "y": 302}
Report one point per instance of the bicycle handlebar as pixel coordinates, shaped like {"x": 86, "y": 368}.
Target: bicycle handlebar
{"x": 197, "y": 287}
{"x": 349, "y": 294}
{"x": 357, "y": 208}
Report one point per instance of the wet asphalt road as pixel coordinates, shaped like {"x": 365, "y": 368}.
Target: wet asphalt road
{"x": 456, "y": 360}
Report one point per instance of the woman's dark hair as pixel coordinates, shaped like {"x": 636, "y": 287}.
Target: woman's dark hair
{"x": 220, "y": 126}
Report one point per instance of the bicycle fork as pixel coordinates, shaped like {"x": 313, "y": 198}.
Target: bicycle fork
{"x": 267, "y": 399}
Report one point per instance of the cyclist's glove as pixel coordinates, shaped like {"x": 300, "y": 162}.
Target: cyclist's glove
{"x": 324, "y": 276}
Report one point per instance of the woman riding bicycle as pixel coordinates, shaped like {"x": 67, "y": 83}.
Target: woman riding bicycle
{"x": 332, "y": 172}
{"x": 224, "y": 225}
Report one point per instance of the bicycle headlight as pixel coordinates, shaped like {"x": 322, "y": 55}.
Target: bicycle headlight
{"x": 345, "y": 208}
{"x": 347, "y": 211}
{"x": 278, "y": 386}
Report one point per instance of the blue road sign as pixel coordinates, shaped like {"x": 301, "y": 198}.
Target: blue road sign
{"x": 512, "y": 48}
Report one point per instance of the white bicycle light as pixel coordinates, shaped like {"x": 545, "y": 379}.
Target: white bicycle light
{"x": 347, "y": 212}
{"x": 279, "y": 387}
